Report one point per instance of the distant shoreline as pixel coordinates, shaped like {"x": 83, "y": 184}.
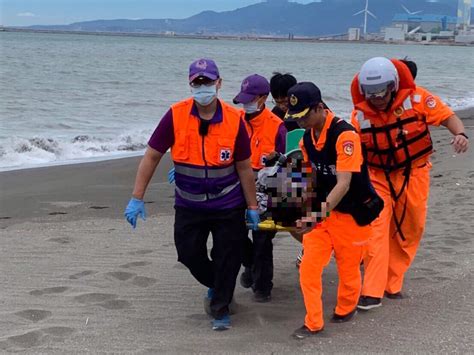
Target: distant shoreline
{"x": 320, "y": 39}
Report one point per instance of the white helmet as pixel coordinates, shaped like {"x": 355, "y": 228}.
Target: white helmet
{"x": 377, "y": 75}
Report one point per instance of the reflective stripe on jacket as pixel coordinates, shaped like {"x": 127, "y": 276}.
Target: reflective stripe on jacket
{"x": 204, "y": 165}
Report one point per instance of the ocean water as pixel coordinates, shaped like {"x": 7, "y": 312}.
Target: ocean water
{"x": 73, "y": 98}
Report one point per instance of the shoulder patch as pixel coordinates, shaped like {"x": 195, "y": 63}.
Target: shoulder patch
{"x": 430, "y": 102}
{"x": 348, "y": 147}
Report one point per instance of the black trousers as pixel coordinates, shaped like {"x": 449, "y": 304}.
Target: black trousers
{"x": 258, "y": 256}
{"x": 228, "y": 229}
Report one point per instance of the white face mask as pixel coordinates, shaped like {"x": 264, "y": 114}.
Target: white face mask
{"x": 251, "y": 107}
{"x": 204, "y": 95}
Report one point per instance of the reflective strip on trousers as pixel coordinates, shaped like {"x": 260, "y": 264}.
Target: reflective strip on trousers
{"x": 201, "y": 173}
{"x": 203, "y": 197}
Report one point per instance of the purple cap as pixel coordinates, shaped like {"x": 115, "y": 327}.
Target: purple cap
{"x": 203, "y": 67}
{"x": 252, "y": 86}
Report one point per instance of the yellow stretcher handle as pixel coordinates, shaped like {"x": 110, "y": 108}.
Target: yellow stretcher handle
{"x": 269, "y": 225}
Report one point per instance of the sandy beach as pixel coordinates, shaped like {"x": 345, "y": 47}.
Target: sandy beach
{"x": 77, "y": 279}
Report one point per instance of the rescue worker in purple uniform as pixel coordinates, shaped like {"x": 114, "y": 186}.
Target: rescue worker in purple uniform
{"x": 267, "y": 134}
{"x": 215, "y": 185}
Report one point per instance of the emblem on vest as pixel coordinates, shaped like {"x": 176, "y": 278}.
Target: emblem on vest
{"x": 430, "y": 102}
{"x": 348, "y": 147}
{"x": 224, "y": 154}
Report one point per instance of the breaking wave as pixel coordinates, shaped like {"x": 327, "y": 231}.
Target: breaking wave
{"x": 19, "y": 153}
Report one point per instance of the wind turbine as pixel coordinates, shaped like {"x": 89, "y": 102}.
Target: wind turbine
{"x": 410, "y": 12}
{"x": 365, "y": 12}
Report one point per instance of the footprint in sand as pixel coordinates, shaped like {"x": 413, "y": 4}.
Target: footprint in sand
{"x": 82, "y": 274}
{"x": 34, "y": 315}
{"x": 36, "y": 337}
{"x": 27, "y": 340}
{"x": 143, "y": 281}
{"x": 60, "y": 240}
{"x": 120, "y": 275}
{"x": 141, "y": 252}
{"x": 105, "y": 300}
{"x": 49, "y": 291}
{"x": 135, "y": 264}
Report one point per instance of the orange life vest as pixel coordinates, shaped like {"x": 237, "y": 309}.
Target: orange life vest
{"x": 262, "y": 131}
{"x": 204, "y": 165}
{"x": 394, "y": 139}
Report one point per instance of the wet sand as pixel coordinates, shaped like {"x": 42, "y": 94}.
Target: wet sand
{"x": 77, "y": 279}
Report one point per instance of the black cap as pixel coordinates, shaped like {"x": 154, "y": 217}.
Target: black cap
{"x": 301, "y": 98}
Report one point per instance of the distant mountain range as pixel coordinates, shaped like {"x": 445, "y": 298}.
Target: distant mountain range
{"x": 273, "y": 18}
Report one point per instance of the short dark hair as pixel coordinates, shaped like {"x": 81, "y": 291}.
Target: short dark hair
{"x": 281, "y": 83}
{"x": 412, "y": 66}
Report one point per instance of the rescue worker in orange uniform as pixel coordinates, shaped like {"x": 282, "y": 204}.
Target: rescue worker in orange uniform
{"x": 267, "y": 134}
{"x": 210, "y": 149}
{"x": 342, "y": 190}
{"x": 393, "y": 115}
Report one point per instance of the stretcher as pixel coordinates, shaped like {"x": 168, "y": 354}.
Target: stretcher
{"x": 278, "y": 220}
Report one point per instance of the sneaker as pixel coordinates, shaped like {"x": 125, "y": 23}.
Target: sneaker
{"x": 367, "y": 302}
{"x": 262, "y": 297}
{"x": 207, "y": 301}
{"x": 246, "y": 278}
{"x": 336, "y": 318}
{"x": 299, "y": 259}
{"x": 394, "y": 296}
{"x": 221, "y": 324}
{"x": 305, "y": 332}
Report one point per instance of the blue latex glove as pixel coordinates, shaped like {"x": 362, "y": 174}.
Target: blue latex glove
{"x": 171, "y": 176}
{"x": 134, "y": 209}
{"x": 253, "y": 219}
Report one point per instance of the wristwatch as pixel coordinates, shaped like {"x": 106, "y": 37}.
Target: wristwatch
{"x": 463, "y": 134}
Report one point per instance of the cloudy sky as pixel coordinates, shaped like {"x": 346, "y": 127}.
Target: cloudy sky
{"x": 32, "y": 12}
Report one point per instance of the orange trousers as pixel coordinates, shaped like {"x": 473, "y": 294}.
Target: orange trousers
{"x": 338, "y": 232}
{"x": 387, "y": 257}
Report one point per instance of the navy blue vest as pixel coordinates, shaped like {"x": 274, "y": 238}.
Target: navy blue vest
{"x": 324, "y": 163}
